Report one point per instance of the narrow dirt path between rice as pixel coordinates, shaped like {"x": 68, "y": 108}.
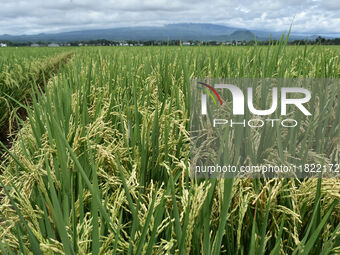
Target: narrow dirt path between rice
{"x": 5, "y": 138}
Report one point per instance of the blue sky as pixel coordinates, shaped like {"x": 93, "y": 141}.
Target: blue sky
{"x": 47, "y": 16}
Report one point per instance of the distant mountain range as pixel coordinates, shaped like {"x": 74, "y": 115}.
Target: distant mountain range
{"x": 180, "y": 31}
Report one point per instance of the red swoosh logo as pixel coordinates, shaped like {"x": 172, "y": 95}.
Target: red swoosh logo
{"x": 213, "y": 90}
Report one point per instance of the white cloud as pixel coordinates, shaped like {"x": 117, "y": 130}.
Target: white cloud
{"x": 331, "y": 4}
{"x": 36, "y": 16}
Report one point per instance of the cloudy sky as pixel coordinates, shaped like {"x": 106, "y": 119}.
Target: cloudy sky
{"x": 49, "y": 16}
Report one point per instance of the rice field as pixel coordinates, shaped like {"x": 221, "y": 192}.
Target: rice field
{"x": 101, "y": 165}
{"x": 20, "y": 70}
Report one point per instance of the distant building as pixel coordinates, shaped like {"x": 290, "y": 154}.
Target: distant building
{"x": 53, "y": 45}
{"x": 186, "y": 43}
{"x": 3, "y": 44}
{"x": 239, "y": 43}
{"x": 35, "y": 45}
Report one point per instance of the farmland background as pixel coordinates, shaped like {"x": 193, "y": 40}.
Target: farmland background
{"x": 101, "y": 164}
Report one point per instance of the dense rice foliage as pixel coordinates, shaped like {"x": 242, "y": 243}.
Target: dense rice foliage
{"x": 101, "y": 166}
{"x": 20, "y": 68}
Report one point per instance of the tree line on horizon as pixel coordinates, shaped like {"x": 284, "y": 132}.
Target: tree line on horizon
{"x": 103, "y": 42}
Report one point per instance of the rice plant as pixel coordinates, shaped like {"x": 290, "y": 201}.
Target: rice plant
{"x": 20, "y": 69}
{"x": 101, "y": 165}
